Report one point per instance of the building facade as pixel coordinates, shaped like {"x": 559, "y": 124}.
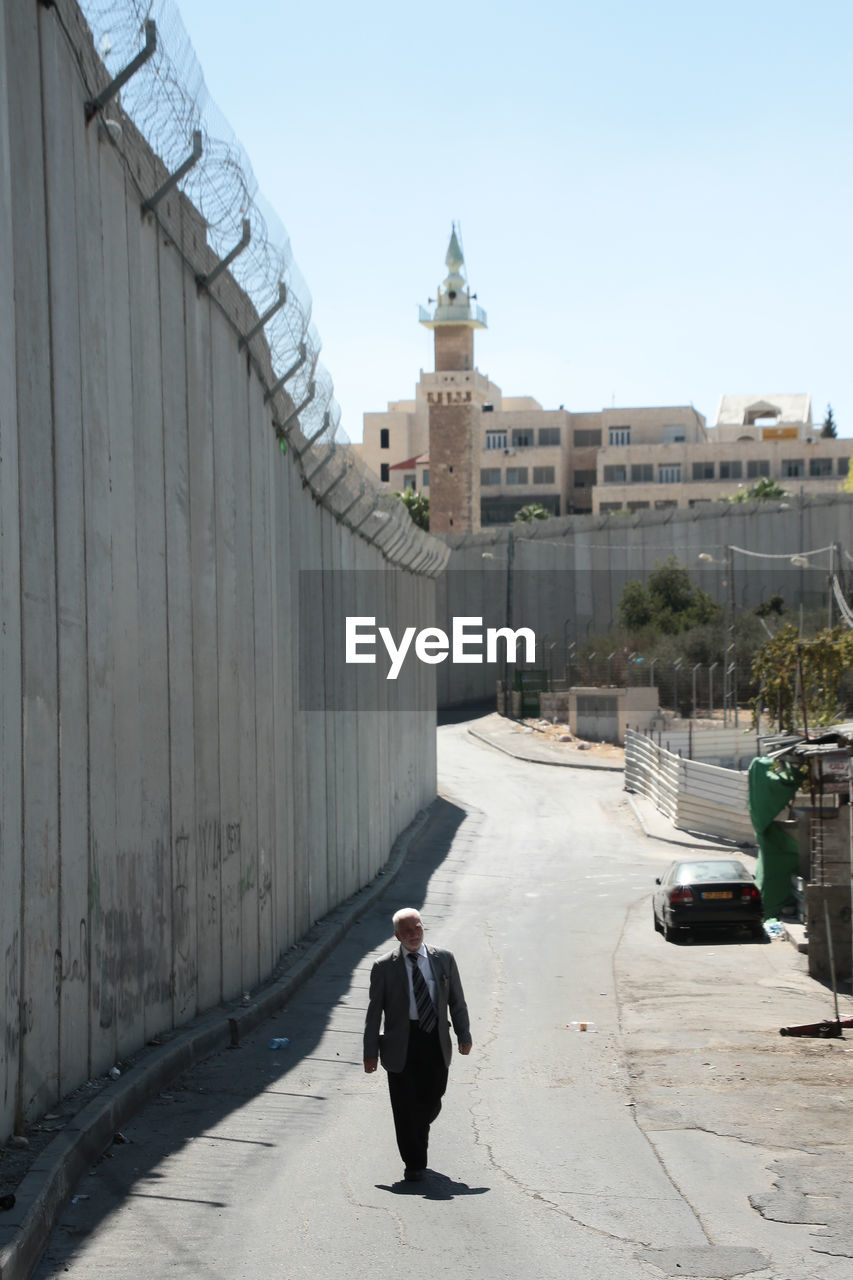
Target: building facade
{"x": 760, "y": 437}
{"x": 481, "y": 456}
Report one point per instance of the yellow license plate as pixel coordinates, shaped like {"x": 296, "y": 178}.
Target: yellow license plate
{"x": 718, "y": 893}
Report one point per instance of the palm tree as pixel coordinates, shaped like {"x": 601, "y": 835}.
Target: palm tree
{"x": 764, "y": 490}
{"x": 533, "y": 511}
{"x": 417, "y": 506}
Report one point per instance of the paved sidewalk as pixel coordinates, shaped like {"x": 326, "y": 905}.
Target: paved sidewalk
{"x": 525, "y": 743}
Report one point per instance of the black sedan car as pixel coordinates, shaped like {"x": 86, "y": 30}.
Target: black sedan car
{"x": 711, "y": 893}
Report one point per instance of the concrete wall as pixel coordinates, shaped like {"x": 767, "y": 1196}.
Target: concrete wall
{"x": 564, "y": 577}
{"x": 171, "y": 818}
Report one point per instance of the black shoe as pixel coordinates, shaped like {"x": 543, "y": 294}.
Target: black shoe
{"x": 414, "y": 1175}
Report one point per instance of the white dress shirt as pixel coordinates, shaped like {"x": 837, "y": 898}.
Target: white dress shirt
{"x": 426, "y": 970}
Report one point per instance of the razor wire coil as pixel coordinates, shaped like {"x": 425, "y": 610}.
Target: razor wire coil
{"x": 168, "y": 103}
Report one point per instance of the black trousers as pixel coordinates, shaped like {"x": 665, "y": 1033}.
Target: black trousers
{"x": 416, "y": 1094}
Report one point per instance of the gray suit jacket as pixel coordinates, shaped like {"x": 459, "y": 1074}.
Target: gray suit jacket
{"x": 389, "y": 995}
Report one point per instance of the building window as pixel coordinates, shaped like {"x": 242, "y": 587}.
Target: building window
{"x": 607, "y": 507}
{"x": 384, "y": 438}
{"x": 792, "y": 467}
{"x": 669, "y": 473}
{"x": 665, "y": 504}
{"x": 843, "y": 466}
{"x": 424, "y": 479}
{"x": 549, "y": 435}
{"x": 584, "y": 479}
{"x": 409, "y": 481}
{"x": 543, "y": 475}
{"x": 615, "y": 475}
{"x": 587, "y": 439}
{"x": 731, "y": 470}
{"x": 619, "y": 435}
{"x": 383, "y": 472}
{"x": 820, "y": 466}
{"x": 638, "y": 506}
{"x": 495, "y": 439}
{"x": 642, "y": 473}
{"x": 522, "y": 438}
{"x": 673, "y": 435}
{"x": 703, "y": 471}
{"x": 516, "y": 475}
{"x": 756, "y": 468}
{"x": 697, "y": 502}
{"x": 490, "y": 475}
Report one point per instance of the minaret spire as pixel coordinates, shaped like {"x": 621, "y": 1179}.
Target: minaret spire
{"x": 455, "y": 397}
{"x": 454, "y": 296}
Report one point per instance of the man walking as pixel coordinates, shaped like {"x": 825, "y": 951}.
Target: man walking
{"x": 415, "y": 987}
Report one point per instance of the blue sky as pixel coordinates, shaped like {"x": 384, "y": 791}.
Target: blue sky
{"x": 654, "y": 198}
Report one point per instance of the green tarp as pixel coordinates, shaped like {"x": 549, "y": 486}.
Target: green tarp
{"x": 773, "y": 785}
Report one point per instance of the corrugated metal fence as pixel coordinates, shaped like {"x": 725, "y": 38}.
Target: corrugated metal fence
{"x": 732, "y": 748}
{"x": 694, "y": 795}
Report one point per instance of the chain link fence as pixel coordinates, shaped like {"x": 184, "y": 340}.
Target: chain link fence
{"x": 698, "y": 692}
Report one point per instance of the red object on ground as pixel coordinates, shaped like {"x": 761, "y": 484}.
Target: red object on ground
{"x": 829, "y": 1029}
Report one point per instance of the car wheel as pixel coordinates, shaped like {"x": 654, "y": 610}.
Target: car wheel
{"x": 757, "y": 931}
{"x": 658, "y": 925}
{"x": 668, "y": 932}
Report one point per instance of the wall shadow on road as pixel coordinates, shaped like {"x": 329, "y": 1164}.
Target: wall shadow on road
{"x": 465, "y": 711}
{"x": 324, "y": 1022}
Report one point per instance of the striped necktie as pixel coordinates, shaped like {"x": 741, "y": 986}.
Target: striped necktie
{"x": 426, "y": 1012}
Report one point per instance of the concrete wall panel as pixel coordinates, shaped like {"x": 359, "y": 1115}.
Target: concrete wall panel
{"x": 154, "y": 853}
{"x": 11, "y": 772}
{"x": 245, "y": 626}
{"x": 181, "y": 724}
{"x": 568, "y": 576}
{"x": 226, "y": 405}
{"x": 97, "y": 484}
{"x": 263, "y": 456}
{"x": 205, "y": 665}
{"x": 185, "y": 814}
{"x": 121, "y": 940}
{"x": 66, "y": 360}
{"x": 39, "y": 1022}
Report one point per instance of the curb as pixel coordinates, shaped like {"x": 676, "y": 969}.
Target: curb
{"x": 43, "y": 1193}
{"x": 687, "y": 842}
{"x": 561, "y": 764}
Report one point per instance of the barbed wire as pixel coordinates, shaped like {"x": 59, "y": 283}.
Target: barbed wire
{"x": 168, "y": 103}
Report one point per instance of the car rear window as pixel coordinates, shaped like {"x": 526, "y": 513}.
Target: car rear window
{"x": 693, "y": 872}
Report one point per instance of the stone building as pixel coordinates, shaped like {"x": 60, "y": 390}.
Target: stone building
{"x": 480, "y": 456}
{"x": 754, "y": 437}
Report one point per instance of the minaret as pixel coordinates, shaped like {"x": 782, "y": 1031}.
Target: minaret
{"x": 455, "y": 404}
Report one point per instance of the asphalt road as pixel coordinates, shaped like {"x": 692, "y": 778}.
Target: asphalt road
{"x": 683, "y": 1137}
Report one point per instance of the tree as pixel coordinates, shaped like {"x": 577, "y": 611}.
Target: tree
{"x": 847, "y": 482}
{"x": 670, "y": 603}
{"x": 764, "y": 490}
{"x": 533, "y": 511}
{"x": 829, "y": 430}
{"x": 417, "y": 506}
{"x": 635, "y": 606}
{"x": 776, "y": 604}
{"x": 785, "y": 663}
